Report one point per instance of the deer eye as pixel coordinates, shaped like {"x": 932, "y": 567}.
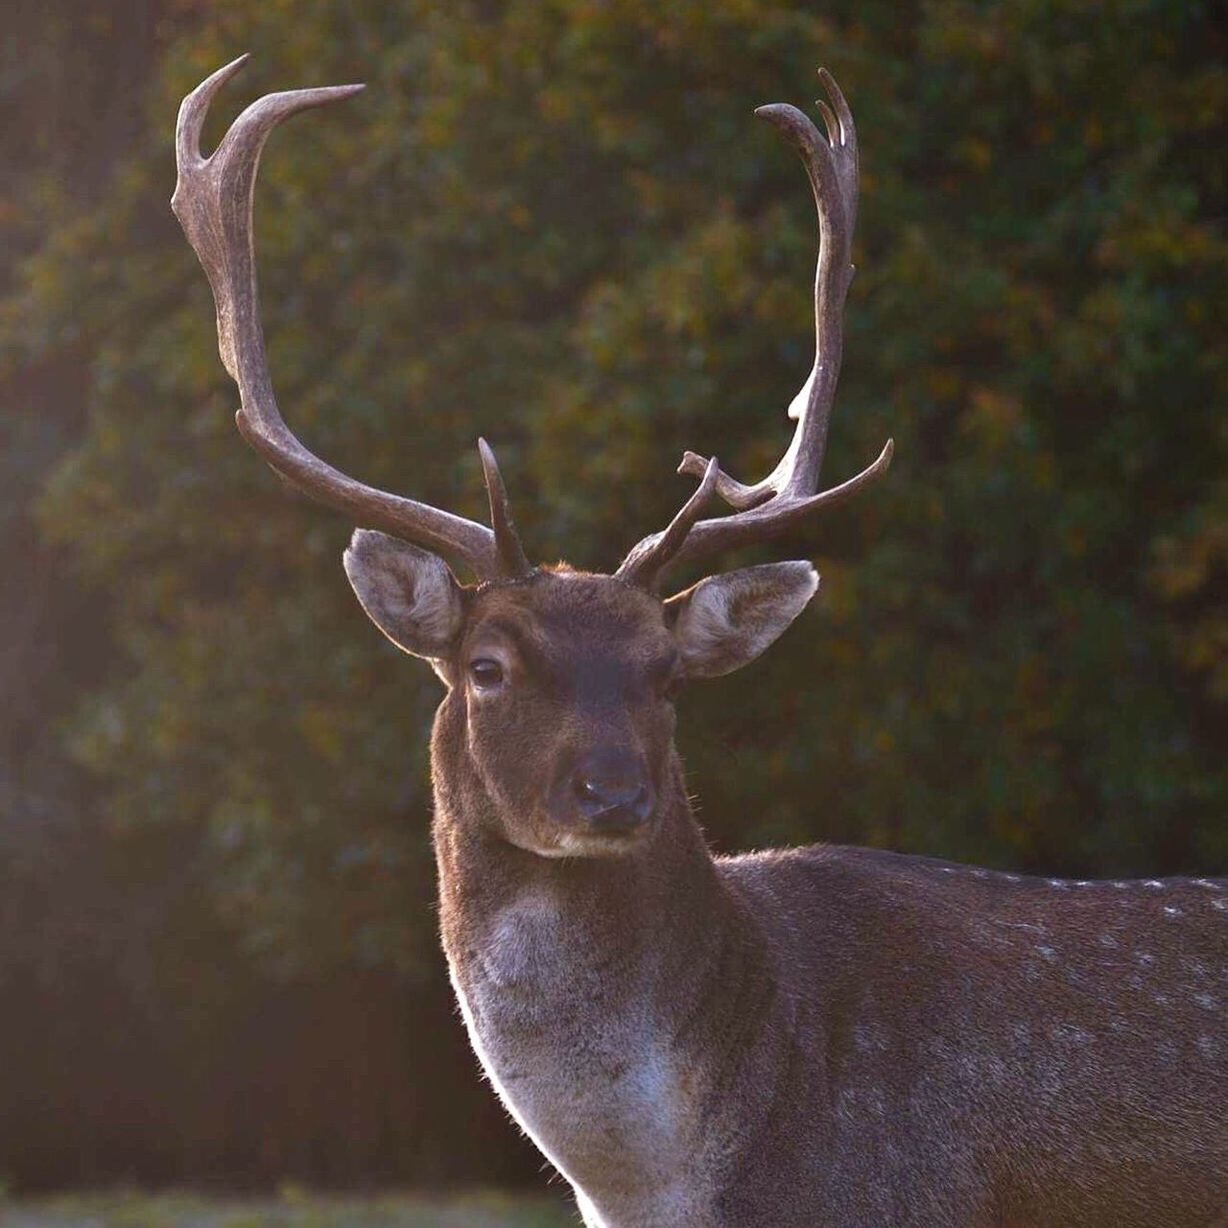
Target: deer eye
{"x": 485, "y": 672}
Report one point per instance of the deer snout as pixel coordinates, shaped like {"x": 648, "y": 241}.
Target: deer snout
{"x": 609, "y": 791}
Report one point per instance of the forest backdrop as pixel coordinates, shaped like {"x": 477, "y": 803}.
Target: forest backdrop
{"x": 558, "y": 224}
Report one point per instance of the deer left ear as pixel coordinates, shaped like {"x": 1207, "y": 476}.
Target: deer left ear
{"x": 726, "y": 621}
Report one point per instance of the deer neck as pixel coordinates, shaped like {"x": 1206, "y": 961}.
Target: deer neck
{"x": 591, "y": 989}
{"x": 640, "y": 913}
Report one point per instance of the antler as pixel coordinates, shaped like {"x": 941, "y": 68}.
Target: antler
{"x": 213, "y": 201}
{"x": 790, "y": 492}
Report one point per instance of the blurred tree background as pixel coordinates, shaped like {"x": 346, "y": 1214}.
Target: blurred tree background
{"x": 558, "y": 224}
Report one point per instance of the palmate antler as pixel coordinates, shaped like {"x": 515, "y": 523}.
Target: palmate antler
{"x": 790, "y": 492}
{"x": 213, "y": 201}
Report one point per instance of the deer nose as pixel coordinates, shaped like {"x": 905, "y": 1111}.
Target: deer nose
{"x": 611, "y": 791}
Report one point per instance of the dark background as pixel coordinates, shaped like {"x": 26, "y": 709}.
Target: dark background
{"x": 558, "y": 224}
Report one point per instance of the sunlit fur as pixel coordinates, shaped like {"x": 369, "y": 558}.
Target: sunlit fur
{"x": 823, "y": 1036}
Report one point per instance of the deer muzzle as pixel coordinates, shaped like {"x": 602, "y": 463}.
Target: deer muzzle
{"x": 608, "y": 792}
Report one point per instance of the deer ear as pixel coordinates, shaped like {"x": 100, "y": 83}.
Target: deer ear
{"x": 725, "y": 622}
{"x": 409, "y": 594}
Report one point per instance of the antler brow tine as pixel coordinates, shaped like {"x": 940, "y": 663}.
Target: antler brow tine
{"x": 790, "y": 492}
{"x": 213, "y": 201}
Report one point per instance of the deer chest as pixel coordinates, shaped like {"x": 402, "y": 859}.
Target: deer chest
{"x": 579, "y": 1061}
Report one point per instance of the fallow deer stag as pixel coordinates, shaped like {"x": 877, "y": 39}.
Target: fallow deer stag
{"x": 822, "y": 1036}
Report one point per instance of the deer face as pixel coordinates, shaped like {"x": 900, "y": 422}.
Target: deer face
{"x": 560, "y": 685}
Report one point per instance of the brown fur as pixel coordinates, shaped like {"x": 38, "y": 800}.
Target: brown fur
{"x": 822, "y": 1036}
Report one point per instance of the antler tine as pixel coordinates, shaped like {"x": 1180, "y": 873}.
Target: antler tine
{"x": 512, "y": 559}
{"x": 647, "y": 562}
{"x": 790, "y": 492}
{"x": 213, "y": 201}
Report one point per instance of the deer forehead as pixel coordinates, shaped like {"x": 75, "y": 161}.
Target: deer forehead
{"x": 572, "y": 618}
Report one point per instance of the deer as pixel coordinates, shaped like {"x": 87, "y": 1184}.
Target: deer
{"x": 789, "y": 1038}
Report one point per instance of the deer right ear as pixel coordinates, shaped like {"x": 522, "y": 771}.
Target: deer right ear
{"x": 409, "y": 594}
{"x": 726, "y": 621}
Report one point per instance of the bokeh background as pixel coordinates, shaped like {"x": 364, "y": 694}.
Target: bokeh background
{"x": 557, "y": 223}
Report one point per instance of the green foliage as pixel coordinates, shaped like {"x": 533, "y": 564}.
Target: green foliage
{"x": 558, "y": 224}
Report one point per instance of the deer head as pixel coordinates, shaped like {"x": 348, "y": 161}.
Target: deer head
{"x": 559, "y": 683}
